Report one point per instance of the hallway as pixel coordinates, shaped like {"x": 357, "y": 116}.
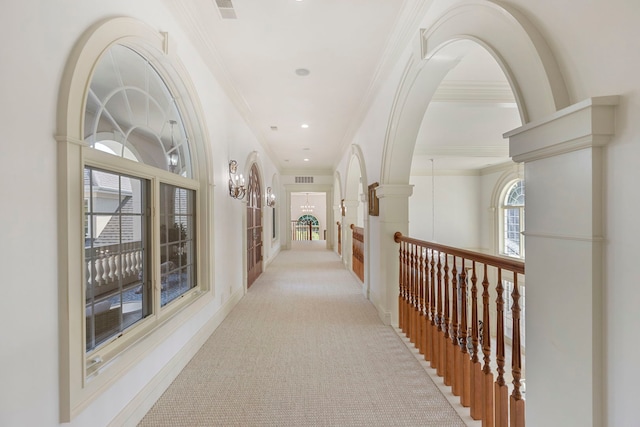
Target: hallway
{"x": 304, "y": 348}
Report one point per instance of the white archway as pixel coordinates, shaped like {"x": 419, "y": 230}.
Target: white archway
{"x": 540, "y": 92}
{"x": 337, "y": 212}
{"x": 356, "y": 211}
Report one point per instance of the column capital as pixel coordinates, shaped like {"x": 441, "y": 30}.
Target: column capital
{"x": 589, "y": 123}
{"x": 394, "y": 190}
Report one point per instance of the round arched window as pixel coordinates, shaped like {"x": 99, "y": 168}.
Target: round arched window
{"x": 513, "y": 220}
{"x": 131, "y": 113}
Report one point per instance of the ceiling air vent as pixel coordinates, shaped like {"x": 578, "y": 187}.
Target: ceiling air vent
{"x": 304, "y": 180}
{"x": 226, "y": 9}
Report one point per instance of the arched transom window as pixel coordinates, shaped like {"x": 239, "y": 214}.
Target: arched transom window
{"x": 131, "y": 113}
{"x": 513, "y": 220}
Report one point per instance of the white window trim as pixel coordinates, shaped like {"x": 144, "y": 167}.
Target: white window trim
{"x": 511, "y": 173}
{"x": 501, "y": 211}
{"x": 111, "y": 361}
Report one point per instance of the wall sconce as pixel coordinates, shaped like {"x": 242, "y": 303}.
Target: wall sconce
{"x": 236, "y": 182}
{"x": 271, "y": 198}
{"x": 172, "y": 154}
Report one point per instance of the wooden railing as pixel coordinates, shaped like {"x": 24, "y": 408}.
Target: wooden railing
{"x": 358, "y": 251}
{"x": 459, "y": 331}
{"x": 304, "y": 231}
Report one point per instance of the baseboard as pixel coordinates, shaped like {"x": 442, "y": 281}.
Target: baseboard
{"x": 383, "y": 314}
{"x": 142, "y": 403}
{"x": 272, "y": 257}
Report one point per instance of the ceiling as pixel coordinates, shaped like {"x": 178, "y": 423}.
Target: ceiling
{"x": 254, "y": 48}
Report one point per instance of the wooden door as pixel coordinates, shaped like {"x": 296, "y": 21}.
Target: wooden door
{"x": 254, "y": 227}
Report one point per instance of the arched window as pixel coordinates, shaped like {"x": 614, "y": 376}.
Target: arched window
{"x": 306, "y": 219}
{"x": 513, "y": 220}
{"x": 130, "y": 112}
{"x": 131, "y": 156}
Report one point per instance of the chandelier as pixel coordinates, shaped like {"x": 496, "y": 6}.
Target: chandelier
{"x": 307, "y": 208}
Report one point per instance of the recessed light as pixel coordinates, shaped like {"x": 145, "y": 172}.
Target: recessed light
{"x": 306, "y": 160}
{"x": 306, "y": 149}
{"x": 302, "y": 72}
{"x": 274, "y": 128}
{"x": 304, "y": 126}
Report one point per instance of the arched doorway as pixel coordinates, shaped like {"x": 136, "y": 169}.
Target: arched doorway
{"x": 254, "y": 226}
{"x": 540, "y": 93}
{"x": 307, "y": 227}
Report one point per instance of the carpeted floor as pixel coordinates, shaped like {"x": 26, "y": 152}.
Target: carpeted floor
{"x": 303, "y": 348}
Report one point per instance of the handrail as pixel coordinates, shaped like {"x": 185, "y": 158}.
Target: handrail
{"x": 495, "y": 261}
{"x": 461, "y": 309}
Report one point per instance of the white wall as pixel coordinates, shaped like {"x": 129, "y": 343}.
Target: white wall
{"x": 39, "y": 37}
{"x": 320, "y": 208}
{"x": 597, "y": 47}
{"x": 457, "y": 210}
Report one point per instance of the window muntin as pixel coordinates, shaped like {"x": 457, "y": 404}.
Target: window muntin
{"x": 513, "y": 221}
{"x": 116, "y": 253}
{"x": 131, "y": 113}
{"x": 177, "y": 242}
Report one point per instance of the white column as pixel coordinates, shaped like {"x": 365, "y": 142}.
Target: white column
{"x": 563, "y": 250}
{"x": 394, "y": 216}
{"x": 351, "y": 217}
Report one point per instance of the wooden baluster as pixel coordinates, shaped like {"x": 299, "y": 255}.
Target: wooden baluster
{"x": 428, "y": 350}
{"x": 456, "y": 384}
{"x": 420, "y": 340}
{"x": 487, "y": 389}
{"x": 433, "y": 307}
{"x": 400, "y": 285}
{"x": 464, "y": 363}
{"x": 410, "y": 289}
{"x": 476, "y": 368}
{"x": 407, "y": 301}
{"x": 501, "y": 389}
{"x": 425, "y": 304}
{"x": 416, "y": 308}
{"x": 414, "y": 297}
{"x": 440, "y": 370}
{"x": 517, "y": 403}
{"x": 447, "y": 352}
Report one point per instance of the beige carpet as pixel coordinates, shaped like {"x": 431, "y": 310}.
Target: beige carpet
{"x": 303, "y": 348}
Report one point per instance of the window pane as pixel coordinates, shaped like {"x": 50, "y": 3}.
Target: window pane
{"x": 115, "y": 253}
{"x": 512, "y": 232}
{"x": 177, "y": 248}
{"x": 515, "y": 196}
{"x": 131, "y": 111}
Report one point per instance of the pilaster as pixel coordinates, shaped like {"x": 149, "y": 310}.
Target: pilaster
{"x": 394, "y": 216}
{"x": 564, "y": 261}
